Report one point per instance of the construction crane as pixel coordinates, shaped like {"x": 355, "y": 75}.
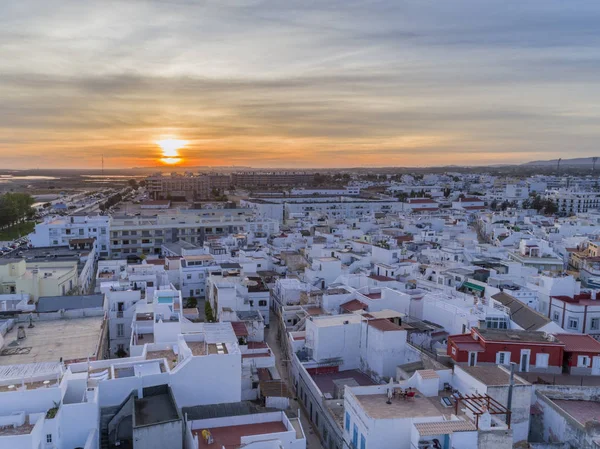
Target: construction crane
{"x": 594, "y": 159}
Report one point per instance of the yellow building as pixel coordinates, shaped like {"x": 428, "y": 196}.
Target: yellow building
{"x": 48, "y": 278}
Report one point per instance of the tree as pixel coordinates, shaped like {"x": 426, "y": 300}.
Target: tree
{"x": 14, "y": 208}
{"x": 447, "y": 192}
{"x": 133, "y": 184}
{"x": 537, "y": 203}
{"x": 550, "y": 207}
{"x": 526, "y": 204}
{"x": 504, "y": 205}
{"x": 208, "y": 312}
{"x": 494, "y": 205}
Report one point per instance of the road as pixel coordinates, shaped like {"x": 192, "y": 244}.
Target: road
{"x": 312, "y": 440}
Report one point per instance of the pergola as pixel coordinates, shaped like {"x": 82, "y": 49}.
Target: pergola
{"x": 479, "y": 404}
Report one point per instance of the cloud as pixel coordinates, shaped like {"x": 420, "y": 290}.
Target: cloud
{"x": 298, "y": 83}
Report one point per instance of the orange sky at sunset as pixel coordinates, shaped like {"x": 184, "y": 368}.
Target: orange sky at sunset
{"x": 297, "y": 84}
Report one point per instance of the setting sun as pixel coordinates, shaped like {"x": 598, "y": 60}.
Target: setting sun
{"x": 170, "y": 150}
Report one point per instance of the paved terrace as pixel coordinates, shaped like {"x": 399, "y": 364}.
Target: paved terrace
{"x": 230, "y": 436}
{"x": 49, "y": 341}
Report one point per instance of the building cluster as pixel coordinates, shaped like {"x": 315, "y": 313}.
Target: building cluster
{"x": 413, "y": 318}
{"x": 200, "y": 186}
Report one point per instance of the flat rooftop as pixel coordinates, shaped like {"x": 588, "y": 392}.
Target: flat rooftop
{"x": 155, "y": 409}
{"x": 336, "y": 320}
{"x": 231, "y": 436}
{"x": 48, "y": 341}
{"x": 326, "y": 382}
{"x": 375, "y": 405}
{"x": 515, "y": 335}
{"x": 491, "y": 375}
{"x": 582, "y": 411}
{"x": 24, "y": 429}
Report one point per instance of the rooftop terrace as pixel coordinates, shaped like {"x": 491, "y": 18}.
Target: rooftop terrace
{"x": 49, "y": 341}
{"x": 230, "y": 436}
{"x": 326, "y": 382}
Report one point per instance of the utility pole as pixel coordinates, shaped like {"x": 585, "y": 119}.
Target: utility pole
{"x": 594, "y": 160}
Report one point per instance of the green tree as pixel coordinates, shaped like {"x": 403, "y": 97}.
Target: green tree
{"x": 550, "y": 207}
{"x": 14, "y": 208}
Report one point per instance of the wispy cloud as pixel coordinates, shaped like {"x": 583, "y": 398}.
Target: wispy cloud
{"x": 298, "y": 83}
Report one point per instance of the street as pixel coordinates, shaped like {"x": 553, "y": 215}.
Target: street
{"x": 312, "y": 440}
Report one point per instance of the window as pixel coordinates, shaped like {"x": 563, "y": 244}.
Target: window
{"x": 348, "y": 421}
{"x": 595, "y": 325}
{"x": 503, "y": 358}
{"x": 573, "y": 323}
{"x": 81, "y": 232}
{"x": 189, "y": 276}
{"x": 262, "y": 303}
{"x": 541, "y": 360}
{"x": 48, "y": 438}
{"x": 496, "y": 323}
{"x": 555, "y": 317}
{"x": 120, "y": 329}
{"x": 363, "y": 442}
{"x": 583, "y": 361}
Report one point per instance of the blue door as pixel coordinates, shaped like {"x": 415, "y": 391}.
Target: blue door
{"x": 355, "y": 436}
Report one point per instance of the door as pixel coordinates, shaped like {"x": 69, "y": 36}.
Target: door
{"x": 355, "y": 436}
{"x": 472, "y": 358}
{"x": 524, "y": 367}
{"x": 595, "y": 366}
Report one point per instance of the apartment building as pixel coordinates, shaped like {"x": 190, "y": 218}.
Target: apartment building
{"x": 139, "y": 235}
{"x": 571, "y": 202}
{"x": 62, "y": 231}
{"x": 185, "y": 186}
{"x": 271, "y": 179}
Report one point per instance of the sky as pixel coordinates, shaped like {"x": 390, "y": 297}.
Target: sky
{"x": 295, "y": 84}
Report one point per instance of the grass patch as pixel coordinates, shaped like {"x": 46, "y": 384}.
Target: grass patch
{"x": 14, "y": 232}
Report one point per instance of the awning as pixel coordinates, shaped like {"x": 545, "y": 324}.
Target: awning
{"x": 476, "y": 287}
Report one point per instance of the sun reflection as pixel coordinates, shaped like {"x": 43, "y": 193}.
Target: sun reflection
{"x": 170, "y": 150}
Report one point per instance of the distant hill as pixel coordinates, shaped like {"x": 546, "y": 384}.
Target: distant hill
{"x": 576, "y": 162}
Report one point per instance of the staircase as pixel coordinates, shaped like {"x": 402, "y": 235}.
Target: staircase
{"x": 106, "y": 414}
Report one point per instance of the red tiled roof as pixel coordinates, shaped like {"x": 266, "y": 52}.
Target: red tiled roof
{"x": 423, "y": 209}
{"x": 404, "y": 238}
{"x": 579, "y": 343}
{"x": 353, "y": 306}
{"x": 239, "y": 328}
{"x": 473, "y": 207}
{"x": 470, "y": 200}
{"x": 257, "y": 345}
{"x": 575, "y": 298}
{"x": 384, "y": 325}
